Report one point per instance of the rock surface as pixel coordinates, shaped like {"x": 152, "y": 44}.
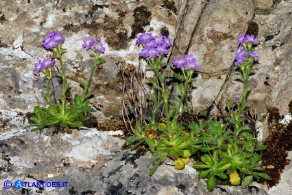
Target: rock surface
{"x": 117, "y": 22}
{"x": 91, "y": 159}
{"x": 92, "y": 162}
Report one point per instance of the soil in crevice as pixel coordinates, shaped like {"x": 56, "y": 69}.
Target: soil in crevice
{"x": 278, "y": 143}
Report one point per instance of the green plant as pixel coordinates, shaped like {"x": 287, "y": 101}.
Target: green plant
{"x": 64, "y": 113}
{"x": 163, "y": 134}
{"x": 227, "y": 146}
{"x": 239, "y": 151}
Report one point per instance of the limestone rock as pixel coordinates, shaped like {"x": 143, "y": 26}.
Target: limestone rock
{"x": 189, "y": 14}
{"x": 93, "y": 163}
{"x": 118, "y": 23}
{"x": 273, "y": 73}
{"x": 211, "y": 36}
{"x": 215, "y": 37}
{"x": 265, "y": 6}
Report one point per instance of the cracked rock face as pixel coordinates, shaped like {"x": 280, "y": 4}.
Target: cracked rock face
{"x": 118, "y": 23}
{"x": 92, "y": 162}
{"x": 207, "y": 29}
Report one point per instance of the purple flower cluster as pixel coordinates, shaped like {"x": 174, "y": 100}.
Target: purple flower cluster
{"x": 43, "y": 64}
{"x": 53, "y": 39}
{"x": 246, "y": 39}
{"x": 95, "y": 44}
{"x": 242, "y": 53}
{"x": 153, "y": 46}
{"x": 187, "y": 62}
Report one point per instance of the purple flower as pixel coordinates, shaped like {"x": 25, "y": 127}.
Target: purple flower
{"x": 143, "y": 52}
{"x": 190, "y": 58}
{"x": 88, "y": 43}
{"x": 97, "y": 39}
{"x": 43, "y": 64}
{"x": 250, "y": 39}
{"x": 99, "y": 47}
{"x": 162, "y": 50}
{"x": 93, "y": 43}
{"x": 38, "y": 67}
{"x": 152, "y": 52}
{"x": 144, "y": 38}
{"x": 167, "y": 42}
{"x": 253, "y": 55}
{"x": 246, "y": 39}
{"x": 53, "y": 39}
{"x": 159, "y": 40}
{"x": 59, "y": 37}
{"x": 191, "y": 62}
{"x": 240, "y": 55}
{"x": 179, "y": 62}
{"x": 191, "y": 66}
{"x": 239, "y": 60}
{"x": 240, "y": 39}
{"x": 151, "y": 44}
{"x": 48, "y": 62}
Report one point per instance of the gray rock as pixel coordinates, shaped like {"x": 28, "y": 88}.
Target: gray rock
{"x": 207, "y": 29}
{"x": 215, "y": 37}
{"x": 265, "y": 6}
{"x": 93, "y": 163}
{"x": 189, "y": 15}
{"x": 273, "y": 73}
{"x": 118, "y": 23}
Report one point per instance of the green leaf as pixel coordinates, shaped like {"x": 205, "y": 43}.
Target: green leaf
{"x": 100, "y": 61}
{"x": 223, "y": 166}
{"x": 178, "y": 76}
{"x": 151, "y": 144}
{"x": 77, "y": 99}
{"x": 181, "y": 87}
{"x": 53, "y": 110}
{"x": 37, "y": 110}
{"x": 207, "y": 149}
{"x": 52, "y": 121}
{"x": 247, "y": 180}
{"x": 203, "y": 174}
{"x": 165, "y": 95}
{"x": 75, "y": 124}
{"x": 255, "y": 158}
{"x": 261, "y": 148}
{"x": 207, "y": 159}
{"x": 83, "y": 84}
{"x": 211, "y": 183}
{"x": 223, "y": 147}
{"x": 263, "y": 175}
{"x": 47, "y": 97}
{"x": 221, "y": 174}
{"x": 201, "y": 166}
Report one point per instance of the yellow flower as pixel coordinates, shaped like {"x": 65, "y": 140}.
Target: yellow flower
{"x": 179, "y": 164}
{"x": 234, "y": 178}
{"x": 186, "y": 154}
{"x": 152, "y": 135}
{"x": 186, "y": 160}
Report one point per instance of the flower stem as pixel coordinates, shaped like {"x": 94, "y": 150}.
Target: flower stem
{"x": 64, "y": 85}
{"x": 48, "y": 86}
